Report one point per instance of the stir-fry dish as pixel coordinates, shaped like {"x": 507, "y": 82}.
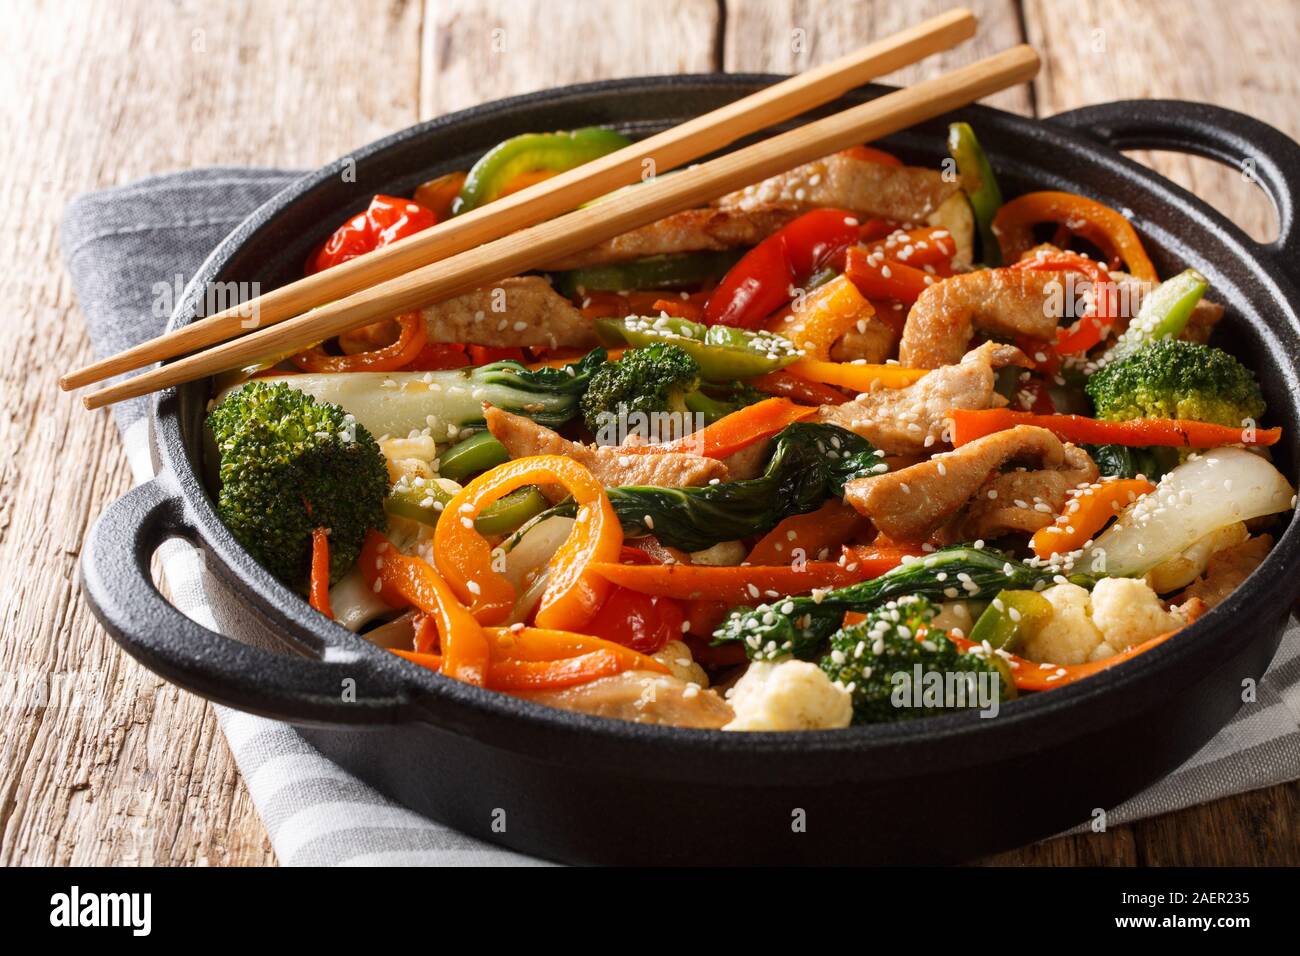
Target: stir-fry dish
{"x": 862, "y": 442}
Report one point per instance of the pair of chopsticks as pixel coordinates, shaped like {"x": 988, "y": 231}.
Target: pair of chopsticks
{"x": 535, "y": 225}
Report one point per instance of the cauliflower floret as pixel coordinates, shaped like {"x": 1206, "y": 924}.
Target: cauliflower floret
{"x": 410, "y": 458}
{"x": 1069, "y": 636}
{"x": 789, "y": 695}
{"x": 1129, "y": 612}
{"x": 676, "y": 656}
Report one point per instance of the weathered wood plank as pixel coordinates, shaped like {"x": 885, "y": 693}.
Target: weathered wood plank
{"x": 780, "y": 36}
{"x": 1241, "y": 56}
{"x": 482, "y": 50}
{"x": 96, "y": 94}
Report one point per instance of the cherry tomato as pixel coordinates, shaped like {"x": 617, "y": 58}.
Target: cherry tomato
{"x": 387, "y": 219}
{"x": 639, "y": 621}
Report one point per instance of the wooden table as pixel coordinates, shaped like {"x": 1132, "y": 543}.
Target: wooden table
{"x": 100, "y": 93}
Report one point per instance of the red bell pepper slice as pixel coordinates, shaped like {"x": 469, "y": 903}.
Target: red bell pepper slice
{"x": 762, "y": 280}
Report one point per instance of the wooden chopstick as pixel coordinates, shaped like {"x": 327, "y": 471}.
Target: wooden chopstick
{"x": 552, "y": 197}
{"x": 584, "y": 227}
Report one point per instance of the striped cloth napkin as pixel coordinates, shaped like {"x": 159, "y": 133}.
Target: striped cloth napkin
{"x": 119, "y": 245}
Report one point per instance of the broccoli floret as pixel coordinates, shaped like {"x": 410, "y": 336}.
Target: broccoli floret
{"x": 289, "y": 464}
{"x": 1176, "y": 379}
{"x": 646, "y": 381}
{"x": 876, "y": 660}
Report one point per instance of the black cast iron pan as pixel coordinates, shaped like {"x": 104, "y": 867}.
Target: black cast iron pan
{"x": 582, "y": 789}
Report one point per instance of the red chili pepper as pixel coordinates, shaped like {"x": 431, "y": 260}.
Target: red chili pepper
{"x": 760, "y": 283}
{"x": 795, "y": 388}
{"x": 387, "y": 219}
{"x": 1088, "y": 331}
{"x": 1040, "y": 401}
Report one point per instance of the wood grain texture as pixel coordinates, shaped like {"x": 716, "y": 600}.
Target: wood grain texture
{"x": 783, "y": 36}
{"x": 103, "y": 92}
{"x": 96, "y": 94}
{"x": 482, "y": 50}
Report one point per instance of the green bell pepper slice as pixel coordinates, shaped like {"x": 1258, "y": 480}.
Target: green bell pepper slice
{"x": 725, "y": 353}
{"x": 1164, "y": 313}
{"x": 1010, "y": 617}
{"x": 529, "y": 153}
{"x": 671, "y": 271}
{"x": 426, "y": 504}
{"x": 472, "y": 456}
{"x": 980, "y": 186}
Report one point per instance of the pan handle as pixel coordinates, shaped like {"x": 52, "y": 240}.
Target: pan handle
{"x": 1242, "y": 142}
{"x": 115, "y": 572}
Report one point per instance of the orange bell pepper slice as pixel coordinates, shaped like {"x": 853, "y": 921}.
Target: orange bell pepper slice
{"x": 516, "y": 676}
{"x": 1013, "y": 225}
{"x": 544, "y": 644}
{"x": 1086, "y": 513}
{"x": 970, "y": 424}
{"x": 401, "y": 353}
{"x": 409, "y": 580}
{"x": 573, "y": 594}
{"x": 437, "y": 195}
{"x": 859, "y": 378}
{"x": 826, "y": 314}
{"x": 537, "y": 659}
{"x": 319, "y": 591}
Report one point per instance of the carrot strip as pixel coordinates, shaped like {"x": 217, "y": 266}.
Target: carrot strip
{"x": 879, "y": 278}
{"x": 860, "y": 378}
{"x": 1086, "y": 513}
{"x": 829, "y": 526}
{"x": 740, "y": 584}
{"x": 319, "y": 593}
{"x": 679, "y": 309}
{"x": 733, "y": 432}
{"x": 929, "y": 246}
{"x": 968, "y": 425}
